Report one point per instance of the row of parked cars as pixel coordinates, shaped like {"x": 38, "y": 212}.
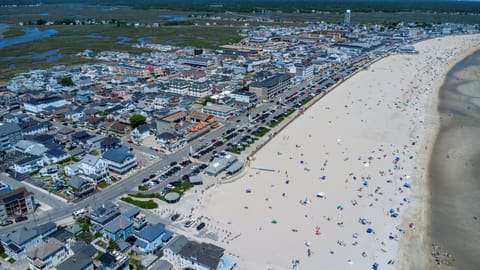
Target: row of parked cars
{"x": 17, "y": 220}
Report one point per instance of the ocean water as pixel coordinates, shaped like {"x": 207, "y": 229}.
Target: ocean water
{"x": 454, "y": 171}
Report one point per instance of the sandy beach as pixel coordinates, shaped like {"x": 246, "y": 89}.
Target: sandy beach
{"x": 348, "y": 185}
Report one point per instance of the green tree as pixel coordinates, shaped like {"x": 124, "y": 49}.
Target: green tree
{"x": 67, "y": 81}
{"x": 112, "y": 245}
{"x": 2, "y": 250}
{"x": 137, "y": 120}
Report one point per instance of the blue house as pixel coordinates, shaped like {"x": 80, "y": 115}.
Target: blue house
{"x": 152, "y": 237}
{"x": 119, "y": 228}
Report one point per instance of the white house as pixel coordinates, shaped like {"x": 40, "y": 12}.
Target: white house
{"x": 47, "y": 255}
{"x": 93, "y": 167}
{"x": 28, "y": 164}
{"x": 140, "y": 132}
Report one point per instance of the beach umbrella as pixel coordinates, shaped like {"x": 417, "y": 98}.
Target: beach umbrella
{"x": 274, "y": 221}
{"x": 407, "y": 185}
{"x": 339, "y": 207}
{"x": 363, "y": 221}
{"x": 324, "y": 177}
{"x": 248, "y": 190}
{"x": 394, "y": 215}
{"x": 369, "y": 230}
{"x": 365, "y": 183}
{"x": 375, "y": 266}
{"x": 392, "y": 210}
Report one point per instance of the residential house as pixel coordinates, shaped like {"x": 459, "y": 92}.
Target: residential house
{"x": 81, "y": 186}
{"x": 80, "y": 137}
{"x": 186, "y": 254}
{"x": 92, "y": 167}
{"x": 19, "y": 241}
{"x": 54, "y": 156}
{"x": 64, "y": 135}
{"x": 118, "y": 228}
{"x": 110, "y": 143}
{"x": 47, "y": 255}
{"x": 94, "y": 122}
{"x": 30, "y": 147}
{"x": 103, "y": 214}
{"x": 10, "y": 134}
{"x": 95, "y": 142}
{"x": 28, "y": 164}
{"x": 16, "y": 202}
{"x": 170, "y": 142}
{"x": 120, "y": 160}
{"x": 114, "y": 261}
{"x": 83, "y": 96}
{"x": 81, "y": 260}
{"x": 34, "y": 127}
{"x": 152, "y": 237}
{"x": 119, "y": 128}
{"x": 75, "y": 113}
{"x": 141, "y": 132}
{"x": 138, "y": 218}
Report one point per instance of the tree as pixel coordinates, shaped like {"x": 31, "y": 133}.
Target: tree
{"x": 67, "y": 81}
{"x": 137, "y": 120}
{"x": 112, "y": 245}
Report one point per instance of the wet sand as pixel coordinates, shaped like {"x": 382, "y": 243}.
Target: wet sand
{"x": 454, "y": 168}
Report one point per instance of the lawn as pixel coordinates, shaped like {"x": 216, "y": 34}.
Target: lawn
{"x": 150, "y": 204}
{"x": 11, "y": 260}
{"x": 261, "y": 131}
{"x": 180, "y": 189}
{"x": 85, "y": 236}
{"x": 103, "y": 185}
{"x": 4, "y": 255}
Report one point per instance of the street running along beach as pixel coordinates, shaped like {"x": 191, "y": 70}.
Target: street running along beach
{"x": 345, "y": 185}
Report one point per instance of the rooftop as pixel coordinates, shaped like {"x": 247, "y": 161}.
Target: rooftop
{"x": 48, "y": 248}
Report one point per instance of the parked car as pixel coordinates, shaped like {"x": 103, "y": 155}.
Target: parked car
{"x": 20, "y": 219}
{"x": 6, "y": 223}
{"x": 175, "y": 217}
{"x": 189, "y": 223}
{"x": 200, "y": 226}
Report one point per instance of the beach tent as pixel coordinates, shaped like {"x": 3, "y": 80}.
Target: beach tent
{"x": 320, "y": 194}
{"x": 375, "y": 266}
{"x": 324, "y": 177}
{"x": 369, "y": 230}
{"x": 248, "y": 190}
{"x": 394, "y": 215}
{"x": 407, "y": 185}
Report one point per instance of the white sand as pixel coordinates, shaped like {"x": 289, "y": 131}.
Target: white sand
{"x": 354, "y": 132}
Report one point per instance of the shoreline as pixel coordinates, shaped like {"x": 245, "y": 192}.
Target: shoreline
{"x": 432, "y": 129}
{"x": 405, "y": 117}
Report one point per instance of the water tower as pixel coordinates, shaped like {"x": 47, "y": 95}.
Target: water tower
{"x": 346, "y": 22}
